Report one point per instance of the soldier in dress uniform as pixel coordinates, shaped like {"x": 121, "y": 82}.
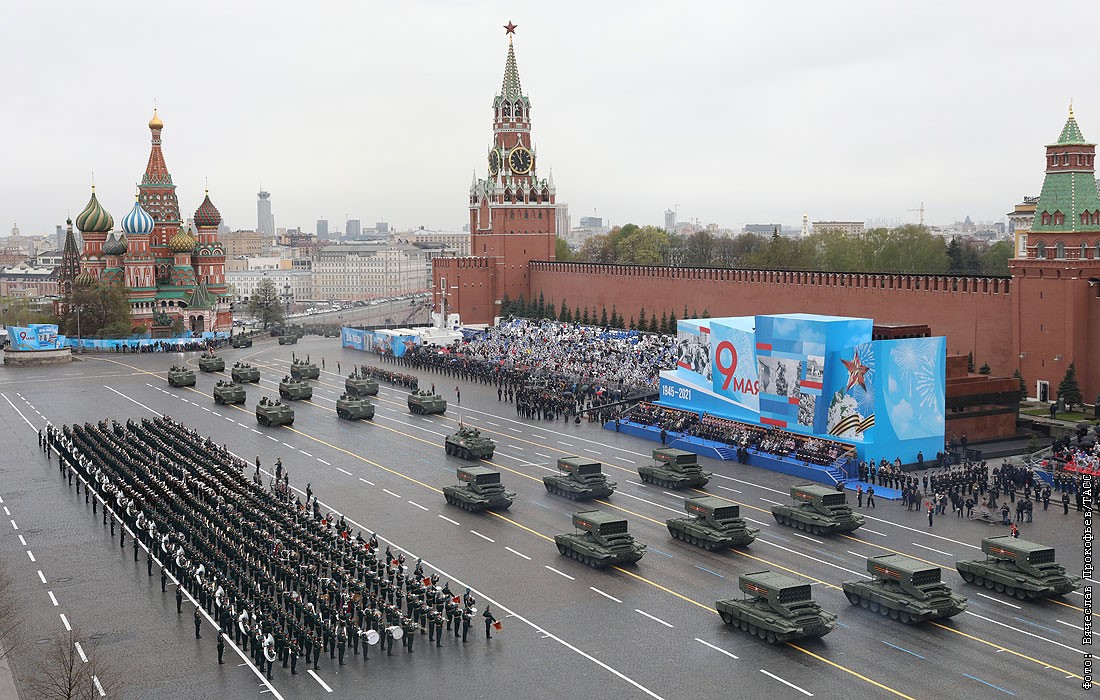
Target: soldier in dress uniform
{"x": 467, "y": 619}
{"x": 489, "y": 620}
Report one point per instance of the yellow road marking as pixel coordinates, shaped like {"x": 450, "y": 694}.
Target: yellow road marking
{"x": 1004, "y": 649}
{"x": 848, "y": 670}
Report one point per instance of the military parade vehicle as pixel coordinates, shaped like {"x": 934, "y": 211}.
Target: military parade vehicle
{"x": 295, "y": 389}
{"x": 424, "y": 402}
{"x": 304, "y": 369}
{"x": 580, "y": 479}
{"x": 818, "y": 509}
{"x": 1019, "y": 568}
{"x": 480, "y": 490}
{"x": 242, "y": 341}
{"x": 181, "y": 376}
{"x": 904, "y": 589}
{"x": 288, "y": 340}
{"x": 358, "y": 385}
{"x": 354, "y": 407}
{"x": 674, "y": 469}
{"x": 603, "y": 540}
{"x": 269, "y": 413}
{"x": 717, "y": 524}
{"x": 243, "y": 372}
{"x": 209, "y": 362}
{"x": 228, "y": 392}
{"x": 469, "y": 443}
{"x": 779, "y": 609}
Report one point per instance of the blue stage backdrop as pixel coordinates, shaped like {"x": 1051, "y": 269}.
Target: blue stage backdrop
{"x": 383, "y": 341}
{"x": 36, "y": 336}
{"x": 815, "y": 375}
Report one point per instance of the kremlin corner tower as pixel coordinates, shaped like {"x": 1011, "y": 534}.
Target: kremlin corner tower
{"x": 170, "y": 274}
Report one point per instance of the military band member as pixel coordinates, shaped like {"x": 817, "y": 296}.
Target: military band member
{"x": 489, "y": 620}
{"x": 221, "y": 646}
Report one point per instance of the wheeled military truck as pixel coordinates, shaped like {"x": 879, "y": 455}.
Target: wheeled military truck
{"x": 269, "y": 413}
{"x": 424, "y": 402}
{"x": 295, "y": 389}
{"x": 602, "y": 540}
{"x": 818, "y": 509}
{"x": 209, "y": 362}
{"x": 228, "y": 392}
{"x": 354, "y": 408}
{"x": 469, "y": 443}
{"x": 242, "y": 341}
{"x": 580, "y": 479}
{"x": 1019, "y": 568}
{"x": 779, "y": 609}
{"x": 674, "y": 469}
{"x": 303, "y": 369}
{"x": 904, "y": 589}
{"x": 243, "y": 372}
{"x": 181, "y": 376}
{"x": 480, "y": 490}
{"x": 717, "y": 524}
{"x": 288, "y": 340}
{"x": 361, "y": 386}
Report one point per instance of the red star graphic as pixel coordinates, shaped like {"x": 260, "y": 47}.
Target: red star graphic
{"x": 856, "y": 372}
{"x": 510, "y": 28}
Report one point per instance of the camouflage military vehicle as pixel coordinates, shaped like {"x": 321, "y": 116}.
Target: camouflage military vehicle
{"x": 818, "y": 509}
{"x": 242, "y": 341}
{"x": 269, "y": 413}
{"x": 717, "y": 524}
{"x": 904, "y": 589}
{"x": 779, "y": 609}
{"x": 354, "y": 407}
{"x": 469, "y": 443}
{"x": 361, "y": 386}
{"x": 480, "y": 490}
{"x": 181, "y": 376}
{"x": 209, "y": 362}
{"x": 228, "y": 392}
{"x": 1019, "y": 568}
{"x": 674, "y": 469}
{"x": 603, "y": 540}
{"x": 580, "y": 479}
{"x": 243, "y": 372}
{"x": 288, "y": 339}
{"x": 295, "y": 389}
{"x": 303, "y": 369}
{"x": 424, "y": 402}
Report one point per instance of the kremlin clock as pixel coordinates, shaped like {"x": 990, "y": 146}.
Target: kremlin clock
{"x": 520, "y": 160}
{"x": 494, "y": 162}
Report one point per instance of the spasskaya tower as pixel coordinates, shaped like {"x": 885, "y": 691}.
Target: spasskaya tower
{"x": 511, "y": 214}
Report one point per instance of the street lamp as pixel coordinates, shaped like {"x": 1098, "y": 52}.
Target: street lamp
{"x": 79, "y": 344}
{"x": 286, "y": 296}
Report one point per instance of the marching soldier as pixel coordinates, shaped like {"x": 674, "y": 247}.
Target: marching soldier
{"x": 198, "y": 622}
{"x": 489, "y": 620}
{"x": 409, "y": 629}
{"x": 221, "y": 646}
{"x": 294, "y": 651}
{"x": 342, "y": 642}
{"x": 467, "y": 618}
{"x": 163, "y": 580}
{"x": 179, "y": 598}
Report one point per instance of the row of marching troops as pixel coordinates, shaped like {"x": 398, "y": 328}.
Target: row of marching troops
{"x": 285, "y": 582}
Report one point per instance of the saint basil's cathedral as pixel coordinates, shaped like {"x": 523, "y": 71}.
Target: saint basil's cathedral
{"x": 169, "y": 273}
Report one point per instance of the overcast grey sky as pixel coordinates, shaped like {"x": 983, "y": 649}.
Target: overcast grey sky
{"x": 738, "y": 112}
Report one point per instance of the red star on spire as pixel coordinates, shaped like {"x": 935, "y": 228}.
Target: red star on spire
{"x": 856, "y": 372}
{"x": 510, "y": 28}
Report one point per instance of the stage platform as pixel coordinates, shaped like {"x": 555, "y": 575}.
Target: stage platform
{"x": 791, "y": 466}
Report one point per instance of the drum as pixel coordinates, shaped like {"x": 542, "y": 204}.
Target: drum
{"x": 396, "y": 632}
{"x": 372, "y": 637}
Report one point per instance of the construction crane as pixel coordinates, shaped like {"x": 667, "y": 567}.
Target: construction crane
{"x": 921, "y": 210}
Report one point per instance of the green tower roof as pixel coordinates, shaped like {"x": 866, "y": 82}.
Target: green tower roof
{"x": 1071, "y": 133}
{"x": 510, "y": 89}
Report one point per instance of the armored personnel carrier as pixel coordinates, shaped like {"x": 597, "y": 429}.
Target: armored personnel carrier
{"x": 480, "y": 490}
{"x": 288, "y": 340}
{"x": 717, "y": 524}
{"x": 243, "y": 372}
{"x": 356, "y": 385}
{"x": 354, "y": 407}
{"x": 1019, "y": 568}
{"x": 295, "y": 389}
{"x": 780, "y": 609}
{"x": 181, "y": 376}
{"x": 674, "y": 469}
{"x": 242, "y": 341}
{"x": 269, "y": 413}
{"x": 603, "y": 540}
{"x": 580, "y": 479}
{"x": 209, "y": 362}
{"x": 818, "y": 509}
{"x": 228, "y": 392}
{"x": 904, "y": 589}
{"x": 304, "y": 369}
{"x": 469, "y": 443}
{"x": 424, "y": 402}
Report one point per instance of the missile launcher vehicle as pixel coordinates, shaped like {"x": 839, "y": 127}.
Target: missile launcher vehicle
{"x": 674, "y": 469}
{"x": 1019, "y": 568}
{"x": 780, "y": 609}
{"x": 904, "y": 589}
{"x": 480, "y": 490}
{"x": 717, "y": 524}
{"x": 819, "y": 510}
{"x": 580, "y": 479}
{"x": 603, "y": 540}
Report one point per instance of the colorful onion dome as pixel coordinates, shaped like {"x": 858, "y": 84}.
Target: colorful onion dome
{"x": 94, "y": 218}
{"x": 155, "y": 122}
{"x": 115, "y": 246}
{"x": 138, "y": 221}
{"x": 207, "y": 215}
{"x": 86, "y": 278}
{"x": 182, "y": 242}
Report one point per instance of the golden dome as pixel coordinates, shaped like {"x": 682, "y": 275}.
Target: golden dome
{"x": 155, "y": 122}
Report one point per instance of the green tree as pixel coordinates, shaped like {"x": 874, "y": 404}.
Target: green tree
{"x": 265, "y": 303}
{"x": 995, "y": 258}
{"x": 663, "y": 327}
{"x": 1023, "y": 386}
{"x": 643, "y": 322}
{"x": 653, "y": 325}
{"x": 671, "y": 323}
{"x": 562, "y": 253}
{"x": 970, "y": 362}
{"x": 603, "y": 318}
{"x": 616, "y": 320}
{"x": 21, "y": 311}
{"x": 104, "y": 312}
{"x": 584, "y": 315}
{"x": 706, "y": 313}
{"x": 1069, "y": 391}
{"x": 985, "y": 369}
{"x": 564, "y": 316}
{"x": 633, "y": 324}
{"x": 540, "y": 307}
{"x": 551, "y": 311}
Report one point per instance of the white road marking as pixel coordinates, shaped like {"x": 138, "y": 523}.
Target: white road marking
{"x": 873, "y": 532}
{"x": 31, "y": 555}
{"x": 560, "y": 573}
{"x": 591, "y": 451}
{"x": 718, "y": 649}
{"x": 216, "y": 414}
{"x": 515, "y": 430}
{"x": 1030, "y": 634}
{"x": 22, "y": 541}
{"x": 289, "y": 445}
{"x": 768, "y": 500}
{"x": 727, "y": 488}
{"x": 518, "y": 554}
{"x": 53, "y": 599}
{"x": 758, "y": 522}
{"x": 674, "y": 495}
{"x": 544, "y": 456}
{"x": 605, "y": 595}
{"x": 365, "y": 481}
{"x": 937, "y": 551}
{"x": 819, "y": 561}
{"x": 787, "y": 683}
{"x": 453, "y": 522}
{"x": 7, "y": 512}
{"x": 80, "y": 650}
{"x": 492, "y": 423}
{"x": 65, "y": 621}
{"x": 324, "y": 462}
{"x": 567, "y": 444}
{"x": 513, "y": 447}
{"x": 41, "y": 576}
{"x": 317, "y": 678}
{"x": 305, "y": 453}
{"x": 652, "y": 617}
{"x": 537, "y": 436}
{"x": 205, "y": 408}
{"x": 652, "y": 503}
{"x": 626, "y": 460}
{"x": 1069, "y": 625}
{"x": 270, "y": 437}
{"x": 807, "y": 538}
{"x": 391, "y": 493}
{"x": 25, "y": 419}
{"x": 155, "y": 413}
{"x": 99, "y": 687}
{"x": 256, "y": 431}
{"x": 418, "y": 505}
{"x": 490, "y": 539}
{"x": 998, "y": 600}
{"x": 341, "y": 469}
